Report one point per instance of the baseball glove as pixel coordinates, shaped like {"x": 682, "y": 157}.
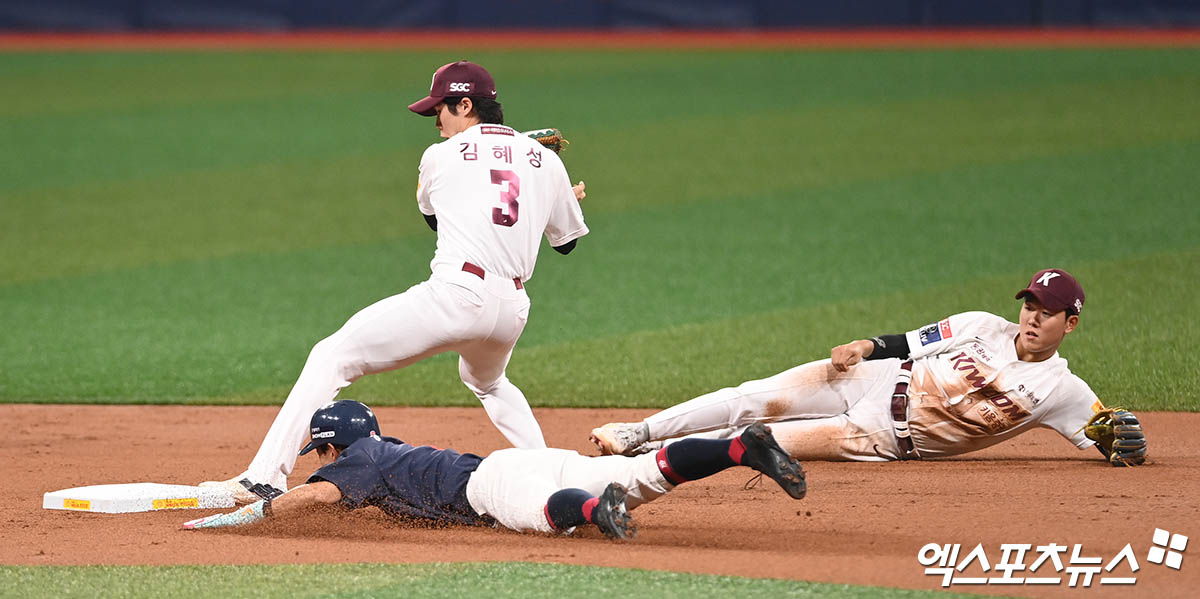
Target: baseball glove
{"x": 1118, "y": 432}
{"x": 551, "y": 138}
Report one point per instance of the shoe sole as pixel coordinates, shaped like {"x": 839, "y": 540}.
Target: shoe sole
{"x": 618, "y": 524}
{"x": 780, "y": 463}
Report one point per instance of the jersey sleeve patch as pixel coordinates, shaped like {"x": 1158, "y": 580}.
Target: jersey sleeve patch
{"x": 935, "y": 332}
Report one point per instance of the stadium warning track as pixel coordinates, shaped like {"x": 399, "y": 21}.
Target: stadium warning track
{"x": 594, "y": 39}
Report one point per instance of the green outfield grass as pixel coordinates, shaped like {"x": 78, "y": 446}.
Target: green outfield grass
{"x": 182, "y": 227}
{"x": 415, "y": 581}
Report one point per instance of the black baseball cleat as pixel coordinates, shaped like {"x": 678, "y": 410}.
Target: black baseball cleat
{"x": 610, "y": 515}
{"x": 765, "y": 455}
{"x": 261, "y": 489}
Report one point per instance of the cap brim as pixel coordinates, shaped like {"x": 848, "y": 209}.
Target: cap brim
{"x": 425, "y": 107}
{"x": 311, "y": 446}
{"x": 1044, "y": 298}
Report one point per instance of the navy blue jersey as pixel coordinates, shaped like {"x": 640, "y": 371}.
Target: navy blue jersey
{"x": 403, "y": 480}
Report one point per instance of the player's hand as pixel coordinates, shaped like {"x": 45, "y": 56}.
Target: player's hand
{"x": 1119, "y": 434}
{"x": 246, "y": 515}
{"x": 844, "y": 356}
{"x": 579, "y": 191}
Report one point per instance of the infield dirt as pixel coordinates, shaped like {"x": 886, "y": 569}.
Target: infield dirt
{"x": 862, "y": 523}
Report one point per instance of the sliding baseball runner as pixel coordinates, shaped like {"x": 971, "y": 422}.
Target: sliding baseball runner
{"x": 544, "y": 490}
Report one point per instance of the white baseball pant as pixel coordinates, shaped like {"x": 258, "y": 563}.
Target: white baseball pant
{"x": 513, "y": 485}
{"x": 481, "y": 319}
{"x": 815, "y": 412}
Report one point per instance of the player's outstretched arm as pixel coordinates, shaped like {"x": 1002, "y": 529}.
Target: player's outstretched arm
{"x": 1118, "y": 435}
{"x": 305, "y": 497}
{"x": 295, "y": 501}
{"x": 884, "y": 346}
{"x": 846, "y": 355}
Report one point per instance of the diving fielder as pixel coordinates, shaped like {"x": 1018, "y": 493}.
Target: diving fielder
{"x": 490, "y": 193}
{"x": 958, "y": 385}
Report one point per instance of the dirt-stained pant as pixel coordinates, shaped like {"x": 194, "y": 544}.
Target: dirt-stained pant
{"x": 815, "y": 412}
{"x": 512, "y": 485}
{"x": 481, "y": 319}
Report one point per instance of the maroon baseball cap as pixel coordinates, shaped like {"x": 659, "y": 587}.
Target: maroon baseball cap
{"x": 1056, "y": 289}
{"x": 455, "y": 80}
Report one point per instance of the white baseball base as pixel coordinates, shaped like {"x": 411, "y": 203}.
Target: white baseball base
{"x": 136, "y": 497}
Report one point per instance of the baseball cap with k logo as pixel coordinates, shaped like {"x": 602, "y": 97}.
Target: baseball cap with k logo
{"x": 1056, "y": 289}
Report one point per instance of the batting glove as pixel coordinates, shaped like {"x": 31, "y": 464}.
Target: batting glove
{"x": 247, "y": 515}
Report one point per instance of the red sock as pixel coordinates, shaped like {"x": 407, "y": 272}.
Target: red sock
{"x": 589, "y": 506}
{"x": 736, "y": 450}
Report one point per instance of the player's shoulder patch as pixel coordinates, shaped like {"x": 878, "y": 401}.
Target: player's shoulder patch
{"x": 935, "y": 332}
{"x": 944, "y": 328}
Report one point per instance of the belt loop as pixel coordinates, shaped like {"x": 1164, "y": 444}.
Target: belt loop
{"x": 908, "y": 450}
{"x": 471, "y": 268}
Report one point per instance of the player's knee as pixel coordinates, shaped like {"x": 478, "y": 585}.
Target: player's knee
{"x": 330, "y": 353}
{"x": 324, "y": 352}
{"x": 479, "y": 385}
{"x": 481, "y": 388}
{"x": 479, "y": 391}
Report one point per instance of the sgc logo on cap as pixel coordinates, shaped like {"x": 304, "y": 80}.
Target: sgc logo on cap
{"x": 460, "y": 87}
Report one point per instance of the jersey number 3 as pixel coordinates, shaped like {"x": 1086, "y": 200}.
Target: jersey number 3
{"x": 508, "y": 197}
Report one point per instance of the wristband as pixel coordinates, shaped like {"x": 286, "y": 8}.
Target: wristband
{"x": 889, "y": 346}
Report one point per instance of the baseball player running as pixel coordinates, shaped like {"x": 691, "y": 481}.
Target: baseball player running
{"x": 490, "y": 193}
{"x": 958, "y": 385}
{"x": 545, "y": 490}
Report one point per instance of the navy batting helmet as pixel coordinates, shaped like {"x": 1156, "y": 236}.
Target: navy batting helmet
{"x": 341, "y": 423}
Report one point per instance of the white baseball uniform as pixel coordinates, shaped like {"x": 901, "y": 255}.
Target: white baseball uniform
{"x": 513, "y": 485}
{"x": 495, "y": 193}
{"x": 969, "y": 391}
